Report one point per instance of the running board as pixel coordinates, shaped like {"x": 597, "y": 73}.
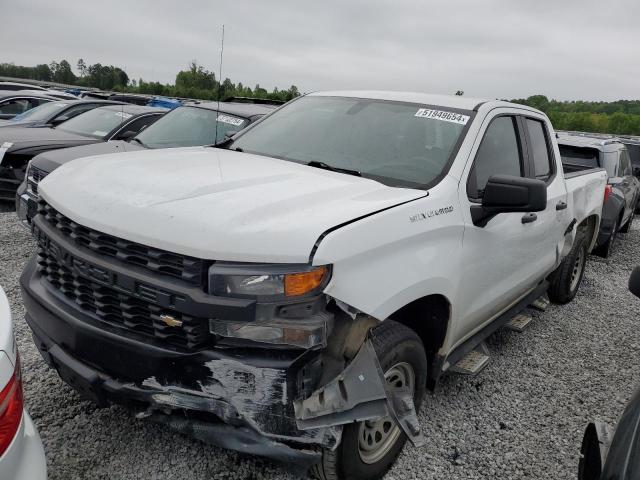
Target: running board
{"x": 520, "y": 322}
{"x": 474, "y": 362}
{"x": 541, "y": 303}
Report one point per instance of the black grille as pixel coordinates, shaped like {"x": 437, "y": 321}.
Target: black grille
{"x": 35, "y": 176}
{"x": 121, "y": 310}
{"x": 189, "y": 269}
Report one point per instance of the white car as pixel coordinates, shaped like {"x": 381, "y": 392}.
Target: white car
{"x": 21, "y": 452}
{"x": 299, "y": 289}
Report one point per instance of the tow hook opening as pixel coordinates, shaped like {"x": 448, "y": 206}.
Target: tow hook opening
{"x": 360, "y": 393}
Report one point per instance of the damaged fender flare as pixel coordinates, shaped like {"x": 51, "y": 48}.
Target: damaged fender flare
{"x": 359, "y": 393}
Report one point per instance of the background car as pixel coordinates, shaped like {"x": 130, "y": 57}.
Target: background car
{"x": 54, "y": 113}
{"x": 614, "y": 454}
{"x": 187, "y": 126}
{"x": 113, "y": 122}
{"x": 623, "y": 188}
{"x": 21, "y": 452}
{"x": 13, "y": 86}
{"x": 13, "y": 103}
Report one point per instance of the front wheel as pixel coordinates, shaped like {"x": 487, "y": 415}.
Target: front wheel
{"x": 368, "y": 449}
{"x": 565, "y": 281}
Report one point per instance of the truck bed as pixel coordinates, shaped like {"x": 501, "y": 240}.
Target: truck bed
{"x": 574, "y": 170}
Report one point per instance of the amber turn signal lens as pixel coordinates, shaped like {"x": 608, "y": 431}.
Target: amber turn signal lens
{"x": 296, "y": 284}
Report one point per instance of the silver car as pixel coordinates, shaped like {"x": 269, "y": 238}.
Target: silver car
{"x": 21, "y": 452}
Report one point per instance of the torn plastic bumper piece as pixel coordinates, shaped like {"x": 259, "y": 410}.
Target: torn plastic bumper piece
{"x": 240, "y": 439}
{"x": 359, "y": 393}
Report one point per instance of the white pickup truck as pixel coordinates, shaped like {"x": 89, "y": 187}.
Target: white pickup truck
{"x": 294, "y": 293}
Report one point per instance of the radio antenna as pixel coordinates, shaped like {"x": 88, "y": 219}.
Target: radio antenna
{"x": 219, "y": 85}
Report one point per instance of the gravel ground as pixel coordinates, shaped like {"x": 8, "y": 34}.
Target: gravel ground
{"x": 522, "y": 417}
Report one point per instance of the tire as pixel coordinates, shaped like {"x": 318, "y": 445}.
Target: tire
{"x": 606, "y": 248}
{"x": 565, "y": 281}
{"x": 627, "y": 226}
{"x": 395, "y": 345}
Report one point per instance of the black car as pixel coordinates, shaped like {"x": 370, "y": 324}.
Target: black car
{"x": 18, "y": 145}
{"x": 609, "y": 454}
{"x": 13, "y": 86}
{"x": 622, "y": 190}
{"x": 14, "y": 103}
{"x": 54, "y": 113}
{"x": 190, "y": 125}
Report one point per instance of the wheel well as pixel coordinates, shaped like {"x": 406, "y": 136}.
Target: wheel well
{"x": 429, "y": 318}
{"x": 587, "y": 228}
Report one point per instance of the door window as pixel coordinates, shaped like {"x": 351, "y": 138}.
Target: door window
{"x": 137, "y": 125}
{"x": 499, "y": 153}
{"x": 539, "y": 149}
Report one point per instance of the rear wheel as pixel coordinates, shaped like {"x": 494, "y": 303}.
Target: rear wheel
{"x": 369, "y": 448}
{"x": 565, "y": 281}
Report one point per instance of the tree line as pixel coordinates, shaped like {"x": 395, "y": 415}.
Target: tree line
{"x": 621, "y": 117}
{"x": 194, "y": 82}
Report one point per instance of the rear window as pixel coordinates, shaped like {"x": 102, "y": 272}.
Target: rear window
{"x": 580, "y": 156}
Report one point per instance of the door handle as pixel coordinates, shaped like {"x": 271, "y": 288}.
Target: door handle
{"x": 529, "y": 217}
{"x": 561, "y": 205}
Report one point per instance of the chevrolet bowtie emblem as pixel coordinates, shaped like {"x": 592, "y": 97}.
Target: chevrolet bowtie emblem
{"x": 170, "y": 321}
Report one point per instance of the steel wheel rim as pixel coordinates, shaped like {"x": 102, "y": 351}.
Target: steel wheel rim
{"x": 377, "y": 438}
{"x": 577, "y": 269}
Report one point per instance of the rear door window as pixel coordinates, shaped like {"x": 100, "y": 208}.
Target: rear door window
{"x": 539, "y": 144}
{"x": 500, "y": 153}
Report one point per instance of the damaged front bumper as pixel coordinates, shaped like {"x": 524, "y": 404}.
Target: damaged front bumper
{"x": 264, "y": 401}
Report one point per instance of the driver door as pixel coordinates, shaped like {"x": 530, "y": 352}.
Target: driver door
{"x": 505, "y": 255}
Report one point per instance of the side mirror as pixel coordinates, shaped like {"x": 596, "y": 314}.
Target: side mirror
{"x": 128, "y": 135}
{"x": 634, "y": 282}
{"x": 506, "y": 193}
{"x": 58, "y": 120}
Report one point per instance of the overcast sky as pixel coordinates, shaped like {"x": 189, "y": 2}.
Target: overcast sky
{"x": 565, "y": 49}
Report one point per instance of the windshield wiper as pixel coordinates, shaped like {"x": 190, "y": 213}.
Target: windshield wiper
{"x": 136, "y": 139}
{"x": 326, "y": 166}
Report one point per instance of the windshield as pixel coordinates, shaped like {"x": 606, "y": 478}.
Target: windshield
{"x": 39, "y": 113}
{"x": 190, "y": 127}
{"x": 396, "y": 143}
{"x": 95, "y": 123}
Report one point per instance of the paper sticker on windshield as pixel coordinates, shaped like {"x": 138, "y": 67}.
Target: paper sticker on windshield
{"x": 230, "y": 120}
{"x": 123, "y": 115}
{"x": 443, "y": 115}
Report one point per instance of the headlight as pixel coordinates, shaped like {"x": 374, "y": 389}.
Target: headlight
{"x": 266, "y": 281}
{"x": 271, "y": 283}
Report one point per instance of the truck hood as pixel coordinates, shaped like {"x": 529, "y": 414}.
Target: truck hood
{"x": 52, "y": 159}
{"x": 214, "y": 204}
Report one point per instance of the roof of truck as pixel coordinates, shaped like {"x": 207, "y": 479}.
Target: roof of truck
{"x": 455, "y": 101}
